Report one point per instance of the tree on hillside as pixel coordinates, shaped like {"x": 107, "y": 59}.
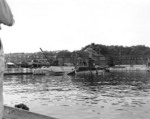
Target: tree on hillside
{"x": 64, "y": 53}
{"x": 119, "y": 50}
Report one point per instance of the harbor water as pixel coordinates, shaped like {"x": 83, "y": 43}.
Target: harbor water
{"x": 115, "y": 95}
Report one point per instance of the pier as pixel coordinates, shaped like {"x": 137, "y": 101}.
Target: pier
{"x": 15, "y": 71}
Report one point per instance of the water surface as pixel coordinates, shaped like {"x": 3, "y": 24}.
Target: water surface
{"x": 118, "y": 95}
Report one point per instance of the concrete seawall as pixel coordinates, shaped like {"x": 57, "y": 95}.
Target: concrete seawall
{"x": 129, "y": 68}
{"x": 10, "y": 71}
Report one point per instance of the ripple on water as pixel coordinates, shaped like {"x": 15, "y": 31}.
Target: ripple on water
{"x": 114, "y": 94}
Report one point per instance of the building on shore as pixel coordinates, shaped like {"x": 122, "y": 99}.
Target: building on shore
{"x": 131, "y": 60}
{"x": 79, "y": 58}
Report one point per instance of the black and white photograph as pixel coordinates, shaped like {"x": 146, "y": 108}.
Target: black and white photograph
{"x": 74, "y": 59}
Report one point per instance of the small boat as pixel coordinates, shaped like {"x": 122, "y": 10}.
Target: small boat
{"x": 53, "y": 70}
{"x": 39, "y": 71}
{"x": 84, "y": 70}
{"x": 55, "y": 73}
{"x": 15, "y": 113}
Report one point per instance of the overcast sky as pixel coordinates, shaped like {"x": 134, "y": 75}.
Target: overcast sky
{"x": 73, "y": 24}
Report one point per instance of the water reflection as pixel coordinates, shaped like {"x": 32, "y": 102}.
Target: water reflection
{"x": 106, "y": 96}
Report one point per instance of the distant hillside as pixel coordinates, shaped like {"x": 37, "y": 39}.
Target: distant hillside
{"x": 119, "y": 50}
{"x": 98, "y": 48}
